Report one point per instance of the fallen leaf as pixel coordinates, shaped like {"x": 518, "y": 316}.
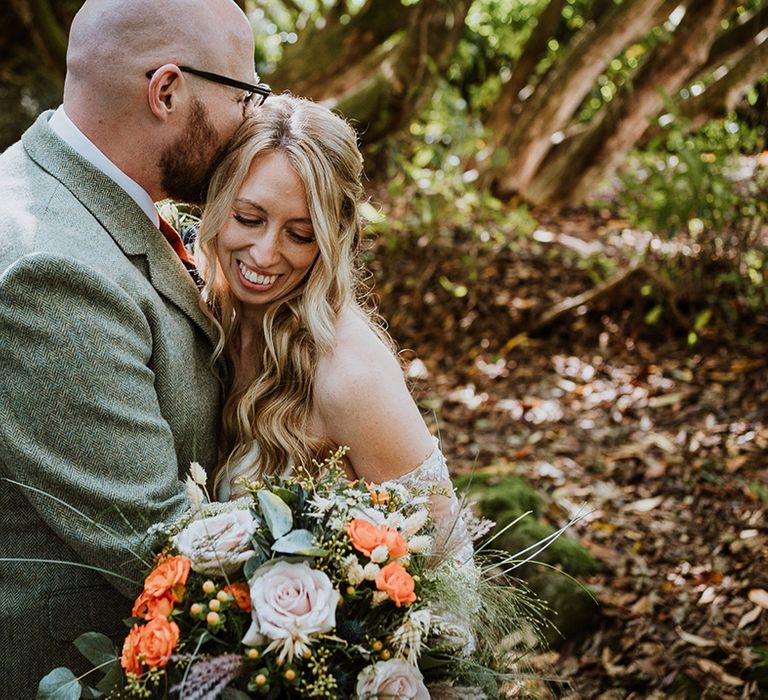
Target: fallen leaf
{"x": 759, "y": 596}
{"x": 733, "y": 464}
{"x": 711, "y": 667}
{"x": 749, "y": 617}
{"x": 644, "y": 505}
{"x": 666, "y": 399}
{"x": 694, "y": 638}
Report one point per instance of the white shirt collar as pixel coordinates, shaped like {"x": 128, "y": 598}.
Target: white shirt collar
{"x": 65, "y": 129}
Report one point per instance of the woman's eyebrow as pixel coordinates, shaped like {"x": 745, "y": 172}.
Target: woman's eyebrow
{"x": 250, "y": 203}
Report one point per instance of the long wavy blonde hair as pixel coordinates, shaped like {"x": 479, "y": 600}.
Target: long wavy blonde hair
{"x": 273, "y": 411}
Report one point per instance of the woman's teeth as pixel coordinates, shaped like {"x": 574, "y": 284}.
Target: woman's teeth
{"x": 262, "y": 280}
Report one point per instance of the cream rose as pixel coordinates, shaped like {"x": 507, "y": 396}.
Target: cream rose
{"x": 218, "y": 544}
{"x": 391, "y": 679}
{"x": 291, "y": 604}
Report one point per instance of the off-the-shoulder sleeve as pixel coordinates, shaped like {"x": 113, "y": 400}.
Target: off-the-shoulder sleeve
{"x": 431, "y": 478}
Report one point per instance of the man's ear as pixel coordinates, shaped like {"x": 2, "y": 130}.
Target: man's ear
{"x": 163, "y": 90}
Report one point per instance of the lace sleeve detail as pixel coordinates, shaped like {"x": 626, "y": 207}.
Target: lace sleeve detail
{"x": 432, "y": 470}
{"x": 431, "y": 479}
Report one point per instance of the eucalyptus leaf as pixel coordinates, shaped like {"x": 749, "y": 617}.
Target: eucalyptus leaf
{"x": 59, "y": 684}
{"x": 253, "y": 564}
{"x": 277, "y": 514}
{"x": 298, "y": 542}
{"x": 285, "y": 495}
{"x": 96, "y": 647}
{"x": 112, "y": 679}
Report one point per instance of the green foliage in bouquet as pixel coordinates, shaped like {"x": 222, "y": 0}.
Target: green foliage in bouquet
{"x": 313, "y": 587}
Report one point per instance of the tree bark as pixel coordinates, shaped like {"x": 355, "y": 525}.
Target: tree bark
{"x": 733, "y": 43}
{"x": 579, "y": 162}
{"x": 535, "y": 49}
{"x": 382, "y": 91}
{"x": 316, "y": 66}
{"x": 557, "y": 99}
{"x": 722, "y": 97}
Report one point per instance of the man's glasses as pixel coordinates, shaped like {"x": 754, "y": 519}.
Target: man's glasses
{"x": 256, "y": 94}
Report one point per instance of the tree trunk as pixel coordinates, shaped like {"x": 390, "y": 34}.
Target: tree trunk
{"x": 535, "y": 49}
{"x": 721, "y": 98}
{"x": 557, "y": 99}
{"x": 733, "y": 43}
{"x": 582, "y": 160}
{"x": 382, "y": 91}
{"x": 316, "y": 66}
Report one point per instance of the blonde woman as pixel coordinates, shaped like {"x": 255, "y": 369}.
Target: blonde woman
{"x": 309, "y": 368}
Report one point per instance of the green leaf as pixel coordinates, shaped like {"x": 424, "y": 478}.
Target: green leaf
{"x": 298, "y": 542}
{"x": 702, "y": 319}
{"x": 59, "y": 684}
{"x": 96, "y": 647}
{"x": 112, "y": 679}
{"x": 253, "y": 563}
{"x": 654, "y": 315}
{"x": 288, "y": 496}
{"x": 277, "y": 514}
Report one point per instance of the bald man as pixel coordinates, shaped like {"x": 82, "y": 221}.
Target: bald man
{"x": 107, "y": 391}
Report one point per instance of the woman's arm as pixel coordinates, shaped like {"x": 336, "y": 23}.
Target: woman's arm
{"x": 362, "y": 402}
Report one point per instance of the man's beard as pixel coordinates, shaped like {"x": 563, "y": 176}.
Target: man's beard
{"x": 187, "y": 165}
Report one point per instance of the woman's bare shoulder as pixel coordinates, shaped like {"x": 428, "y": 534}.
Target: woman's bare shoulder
{"x": 360, "y": 358}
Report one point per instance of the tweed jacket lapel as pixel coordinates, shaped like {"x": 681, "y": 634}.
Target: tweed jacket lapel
{"x": 120, "y": 216}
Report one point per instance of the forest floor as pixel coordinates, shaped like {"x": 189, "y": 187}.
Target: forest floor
{"x": 666, "y": 444}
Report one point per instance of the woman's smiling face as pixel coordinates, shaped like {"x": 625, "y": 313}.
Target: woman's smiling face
{"x": 268, "y": 244}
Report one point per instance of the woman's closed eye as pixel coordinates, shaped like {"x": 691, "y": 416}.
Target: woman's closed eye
{"x": 249, "y": 220}
{"x": 301, "y": 237}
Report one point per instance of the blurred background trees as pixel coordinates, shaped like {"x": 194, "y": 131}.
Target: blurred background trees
{"x": 564, "y": 89}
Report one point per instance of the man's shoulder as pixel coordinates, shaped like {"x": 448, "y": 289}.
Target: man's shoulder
{"x": 38, "y": 214}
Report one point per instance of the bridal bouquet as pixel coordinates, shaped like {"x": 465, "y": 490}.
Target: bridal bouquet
{"x": 306, "y": 588}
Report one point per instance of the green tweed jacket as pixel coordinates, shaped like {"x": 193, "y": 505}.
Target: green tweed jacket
{"x": 106, "y": 396}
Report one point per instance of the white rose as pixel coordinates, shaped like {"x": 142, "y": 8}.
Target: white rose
{"x": 391, "y": 679}
{"x": 371, "y": 571}
{"x": 218, "y": 544}
{"x": 291, "y": 603}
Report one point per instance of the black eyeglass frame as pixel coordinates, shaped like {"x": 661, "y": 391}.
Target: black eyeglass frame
{"x": 261, "y": 89}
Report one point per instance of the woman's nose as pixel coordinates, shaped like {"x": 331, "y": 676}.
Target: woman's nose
{"x": 265, "y": 250}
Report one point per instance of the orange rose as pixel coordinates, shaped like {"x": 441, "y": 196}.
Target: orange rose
{"x": 242, "y": 595}
{"x": 396, "y": 543}
{"x": 366, "y": 537}
{"x": 397, "y": 583}
{"x": 129, "y": 660}
{"x": 147, "y": 606}
{"x": 158, "y": 639}
{"x": 169, "y": 576}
